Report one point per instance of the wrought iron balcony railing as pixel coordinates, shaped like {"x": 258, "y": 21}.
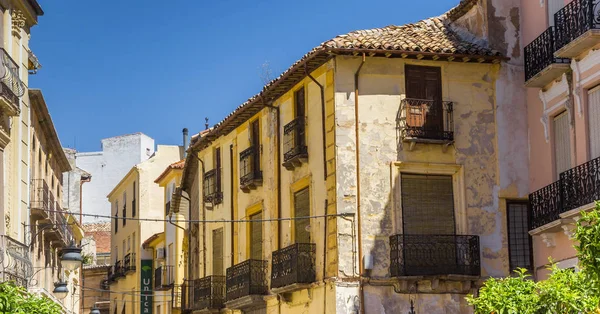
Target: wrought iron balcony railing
{"x": 575, "y": 19}
{"x": 11, "y": 86}
{"x": 40, "y": 196}
{"x": 294, "y": 141}
{"x": 431, "y": 255}
{"x": 119, "y": 271}
{"x": 163, "y": 277}
{"x": 539, "y": 54}
{"x": 294, "y": 264}
{"x": 575, "y": 187}
{"x": 110, "y": 274}
{"x": 247, "y": 278}
{"x": 250, "y": 174}
{"x": 207, "y": 293}
{"x": 16, "y": 262}
{"x": 212, "y": 187}
{"x": 422, "y": 119}
{"x": 177, "y": 297}
{"x": 130, "y": 262}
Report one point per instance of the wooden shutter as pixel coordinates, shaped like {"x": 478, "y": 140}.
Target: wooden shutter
{"x": 218, "y": 169}
{"x": 562, "y": 143}
{"x": 299, "y": 102}
{"x": 256, "y": 237}
{"x": 302, "y": 209}
{"x": 594, "y": 121}
{"x": 217, "y": 251}
{"x": 427, "y": 204}
{"x": 255, "y": 140}
{"x": 425, "y": 83}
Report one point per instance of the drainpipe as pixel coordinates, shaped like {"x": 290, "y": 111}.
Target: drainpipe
{"x": 278, "y": 167}
{"x": 359, "y": 231}
{"x": 83, "y": 180}
{"x": 323, "y": 131}
{"x": 185, "y": 142}
{"x": 231, "y": 160}
{"x": 203, "y": 218}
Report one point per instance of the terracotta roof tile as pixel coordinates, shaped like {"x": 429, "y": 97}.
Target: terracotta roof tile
{"x": 176, "y": 165}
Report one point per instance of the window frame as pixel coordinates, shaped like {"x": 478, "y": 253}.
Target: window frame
{"x": 508, "y": 235}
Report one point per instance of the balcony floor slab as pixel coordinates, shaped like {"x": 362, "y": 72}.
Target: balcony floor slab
{"x": 247, "y": 302}
{"x": 588, "y": 40}
{"x": 547, "y": 75}
{"x": 292, "y": 287}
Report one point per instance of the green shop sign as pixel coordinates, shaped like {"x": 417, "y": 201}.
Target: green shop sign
{"x": 147, "y": 294}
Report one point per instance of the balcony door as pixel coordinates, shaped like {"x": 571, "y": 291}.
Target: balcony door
{"x": 553, "y": 7}
{"x": 425, "y": 83}
{"x": 217, "y": 252}
{"x": 562, "y": 143}
{"x": 428, "y": 236}
{"x": 256, "y": 250}
{"x": 594, "y": 118}
{"x": 302, "y": 209}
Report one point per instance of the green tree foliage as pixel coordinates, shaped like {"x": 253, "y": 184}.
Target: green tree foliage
{"x": 15, "y": 299}
{"x": 565, "y": 291}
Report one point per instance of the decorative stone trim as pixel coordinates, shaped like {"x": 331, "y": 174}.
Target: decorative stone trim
{"x": 548, "y": 239}
{"x": 18, "y": 21}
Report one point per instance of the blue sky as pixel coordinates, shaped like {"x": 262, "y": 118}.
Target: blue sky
{"x": 114, "y": 67}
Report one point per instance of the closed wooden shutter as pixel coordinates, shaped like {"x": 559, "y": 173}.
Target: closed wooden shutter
{"x": 594, "y": 121}
{"x": 256, "y": 237}
{"x": 217, "y": 251}
{"x": 427, "y": 204}
{"x": 562, "y": 143}
{"x": 302, "y": 209}
{"x": 553, "y": 7}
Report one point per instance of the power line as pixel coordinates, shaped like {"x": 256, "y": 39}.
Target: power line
{"x": 213, "y": 220}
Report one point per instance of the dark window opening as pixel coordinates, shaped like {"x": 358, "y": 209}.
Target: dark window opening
{"x": 519, "y": 240}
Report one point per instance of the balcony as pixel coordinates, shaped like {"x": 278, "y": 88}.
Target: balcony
{"x": 163, "y": 278}
{"x": 250, "y": 174}
{"x": 39, "y": 199}
{"x": 426, "y": 121}
{"x": 541, "y": 66}
{"x": 212, "y": 187}
{"x": 577, "y": 27}
{"x": 434, "y": 255}
{"x": 293, "y": 268}
{"x": 129, "y": 263}
{"x": 11, "y": 87}
{"x": 110, "y": 275}
{"x": 206, "y": 294}
{"x": 16, "y": 263}
{"x": 119, "y": 270}
{"x": 246, "y": 284}
{"x": 177, "y": 297}
{"x": 295, "y": 151}
{"x": 576, "y": 187}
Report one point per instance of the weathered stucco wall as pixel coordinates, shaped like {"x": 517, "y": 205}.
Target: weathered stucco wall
{"x": 471, "y": 87}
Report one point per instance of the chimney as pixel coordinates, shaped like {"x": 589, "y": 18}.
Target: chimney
{"x": 185, "y": 142}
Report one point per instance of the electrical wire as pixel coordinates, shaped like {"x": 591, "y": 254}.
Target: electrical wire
{"x": 213, "y": 220}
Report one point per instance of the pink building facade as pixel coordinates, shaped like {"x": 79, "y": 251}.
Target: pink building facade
{"x": 562, "y": 76}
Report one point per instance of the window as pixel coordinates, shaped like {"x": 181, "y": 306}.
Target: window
{"x": 158, "y": 309}
{"x": 129, "y": 244}
{"x": 299, "y": 102}
{"x": 302, "y": 209}
{"x": 116, "y": 254}
{"x": 255, "y": 142}
{"x": 519, "y": 240}
{"x": 256, "y": 236}
{"x": 562, "y": 143}
{"x": 594, "y": 117}
{"x": 217, "y": 159}
{"x": 133, "y": 241}
{"x": 553, "y": 7}
{"x": 427, "y": 204}
{"x": 425, "y": 83}
{"x": 217, "y": 252}
{"x": 133, "y": 202}
{"x": 124, "y": 249}
{"x": 124, "y": 209}
{"x": 116, "y": 216}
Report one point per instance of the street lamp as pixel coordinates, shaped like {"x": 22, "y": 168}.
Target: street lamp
{"x": 71, "y": 257}
{"x": 60, "y": 290}
{"x": 95, "y": 310}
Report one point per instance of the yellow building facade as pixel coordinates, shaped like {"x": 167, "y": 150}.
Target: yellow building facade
{"x": 395, "y": 151}
{"x": 136, "y": 200}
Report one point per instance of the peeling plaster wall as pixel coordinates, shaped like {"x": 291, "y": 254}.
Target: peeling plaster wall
{"x": 472, "y": 89}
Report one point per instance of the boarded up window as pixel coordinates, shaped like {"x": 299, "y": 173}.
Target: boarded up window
{"x": 217, "y": 251}
{"x": 427, "y": 204}
{"x": 256, "y": 237}
{"x": 562, "y": 143}
{"x": 302, "y": 209}
{"x": 594, "y": 121}
{"x": 519, "y": 240}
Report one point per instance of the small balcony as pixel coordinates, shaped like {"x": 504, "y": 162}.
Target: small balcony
{"x": 541, "y": 66}
{"x": 129, "y": 263}
{"x": 295, "y": 151}
{"x": 293, "y": 268}
{"x": 426, "y": 121}
{"x": 577, "y": 27}
{"x": 576, "y": 187}
{"x": 119, "y": 270}
{"x": 110, "y": 275}
{"x": 212, "y": 187}
{"x": 163, "y": 278}
{"x": 40, "y": 196}
{"x": 177, "y": 297}
{"x": 205, "y": 295}
{"x": 250, "y": 174}
{"x": 246, "y": 284}
{"x": 11, "y": 86}
{"x": 17, "y": 265}
{"x": 434, "y": 255}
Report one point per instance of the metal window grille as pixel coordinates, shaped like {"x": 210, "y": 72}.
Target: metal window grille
{"x": 519, "y": 240}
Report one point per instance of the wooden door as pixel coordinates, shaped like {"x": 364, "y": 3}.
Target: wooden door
{"x": 424, "y": 83}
